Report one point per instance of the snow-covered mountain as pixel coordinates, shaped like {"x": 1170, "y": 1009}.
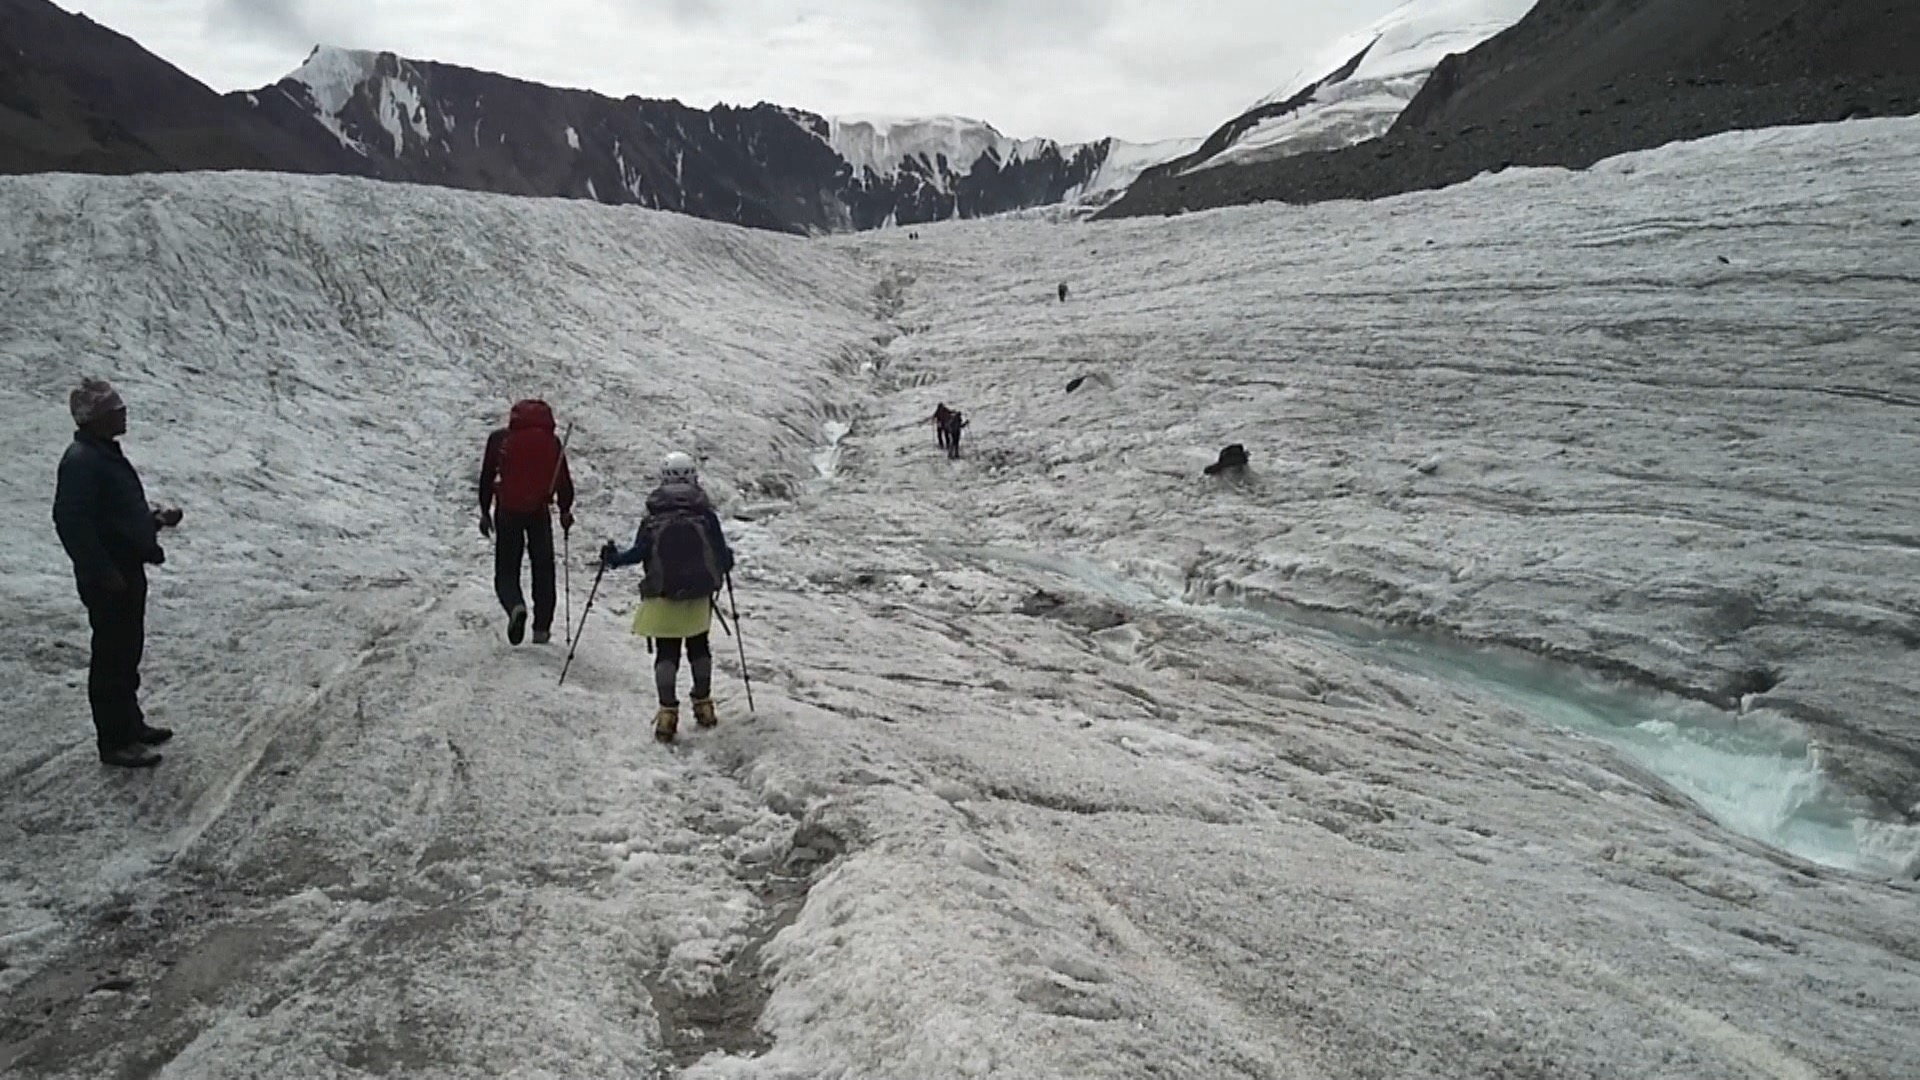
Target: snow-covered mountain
{"x": 1126, "y": 162}
{"x": 945, "y": 147}
{"x": 1359, "y": 85}
{"x": 1573, "y": 82}
{"x": 948, "y": 151}
{"x": 77, "y": 97}
{"x": 1376, "y": 73}
{"x": 768, "y": 166}
{"x": 343, "y": 87}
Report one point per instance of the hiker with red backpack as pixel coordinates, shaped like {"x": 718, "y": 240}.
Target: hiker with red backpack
{"x": 524, "y": 472}
{"x": 686, "y": 560}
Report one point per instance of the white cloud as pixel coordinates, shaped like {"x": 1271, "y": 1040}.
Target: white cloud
{"x": 1070, "y": 69}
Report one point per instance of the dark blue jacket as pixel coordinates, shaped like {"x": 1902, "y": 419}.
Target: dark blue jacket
{"x": 101, "y": 512}
{"x": 675, "y": 499}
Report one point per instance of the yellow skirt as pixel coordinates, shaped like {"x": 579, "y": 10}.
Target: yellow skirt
{"x": 660, "y": 617}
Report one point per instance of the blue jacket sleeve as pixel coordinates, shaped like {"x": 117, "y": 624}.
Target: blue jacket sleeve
{"x": 719, "y": 537}
{"x": 637, "y": 553}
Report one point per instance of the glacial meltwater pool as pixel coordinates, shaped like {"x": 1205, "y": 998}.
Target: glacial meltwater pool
{"x": 1757, "y": 775}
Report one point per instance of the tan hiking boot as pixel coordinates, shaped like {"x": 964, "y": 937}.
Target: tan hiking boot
{"x": 703, "y": 713}
{"x": 666, "y": 723}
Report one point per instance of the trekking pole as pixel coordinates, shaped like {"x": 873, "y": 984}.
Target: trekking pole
{"x": 745, "y": 678}
{"x": 566, "y": 535}
{"x": 584, "y": 612}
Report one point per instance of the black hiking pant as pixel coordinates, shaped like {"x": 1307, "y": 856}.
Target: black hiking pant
{"x": 530, "y": 535}
{"x": 666, "y": 667}
{"x": 119, "y": 621}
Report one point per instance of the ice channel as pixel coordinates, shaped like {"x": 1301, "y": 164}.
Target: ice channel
{"x": 826, "y": 457}
{"x": 1758, "y": 775}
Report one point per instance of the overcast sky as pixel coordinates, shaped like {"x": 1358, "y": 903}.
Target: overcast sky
{"x": 1067, "y": 69}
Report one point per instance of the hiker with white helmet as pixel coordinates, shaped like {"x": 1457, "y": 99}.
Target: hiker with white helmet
{"x": 687, "y": 561}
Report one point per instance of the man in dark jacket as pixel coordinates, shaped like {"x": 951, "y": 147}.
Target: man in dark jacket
{"x": 112, "y": 535}
{"x": 523, "y": 472}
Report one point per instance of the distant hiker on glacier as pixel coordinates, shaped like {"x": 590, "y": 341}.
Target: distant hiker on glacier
{"x": 523, "y": 472}
{"x": 1063, "y": 292}
{"x": 686, "y": 561}
{"x": 112, "y": 534}
{"x": 950, "y": 438}
{"x": 942, "y": 416}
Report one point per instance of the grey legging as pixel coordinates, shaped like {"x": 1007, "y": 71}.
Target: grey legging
{"x": 666, "y": 667}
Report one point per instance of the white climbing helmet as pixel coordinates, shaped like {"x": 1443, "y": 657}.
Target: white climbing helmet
{"x": 678, "y": 468}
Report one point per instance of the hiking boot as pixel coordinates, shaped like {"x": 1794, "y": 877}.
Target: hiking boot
{"x": 541, "y": 637}
{"x": 152, "y": 736}
{"x": 517, "y": 624}
{"x": 130, "y": 756}
{"x": 703, "y": 713}
{"x": 666, "y": 723}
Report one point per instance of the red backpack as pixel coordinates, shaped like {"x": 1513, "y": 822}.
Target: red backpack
{"x": 529, "y": 459}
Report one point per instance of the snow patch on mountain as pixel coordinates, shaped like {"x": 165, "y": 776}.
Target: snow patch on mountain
{"x": 1402, "y": 50}
{"x": 401, "y": 111}
{"x": 1123, "y": 164}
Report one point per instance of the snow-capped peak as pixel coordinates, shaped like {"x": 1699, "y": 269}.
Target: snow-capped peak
{"x": 883, "y": 144}
{"x": 331, "y": 75}
{"x": 880, "y": 143}
{"x": 1411, "y": 39}
{"x": 1124, "y": 163}
{"x": 1401, "y": 51}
